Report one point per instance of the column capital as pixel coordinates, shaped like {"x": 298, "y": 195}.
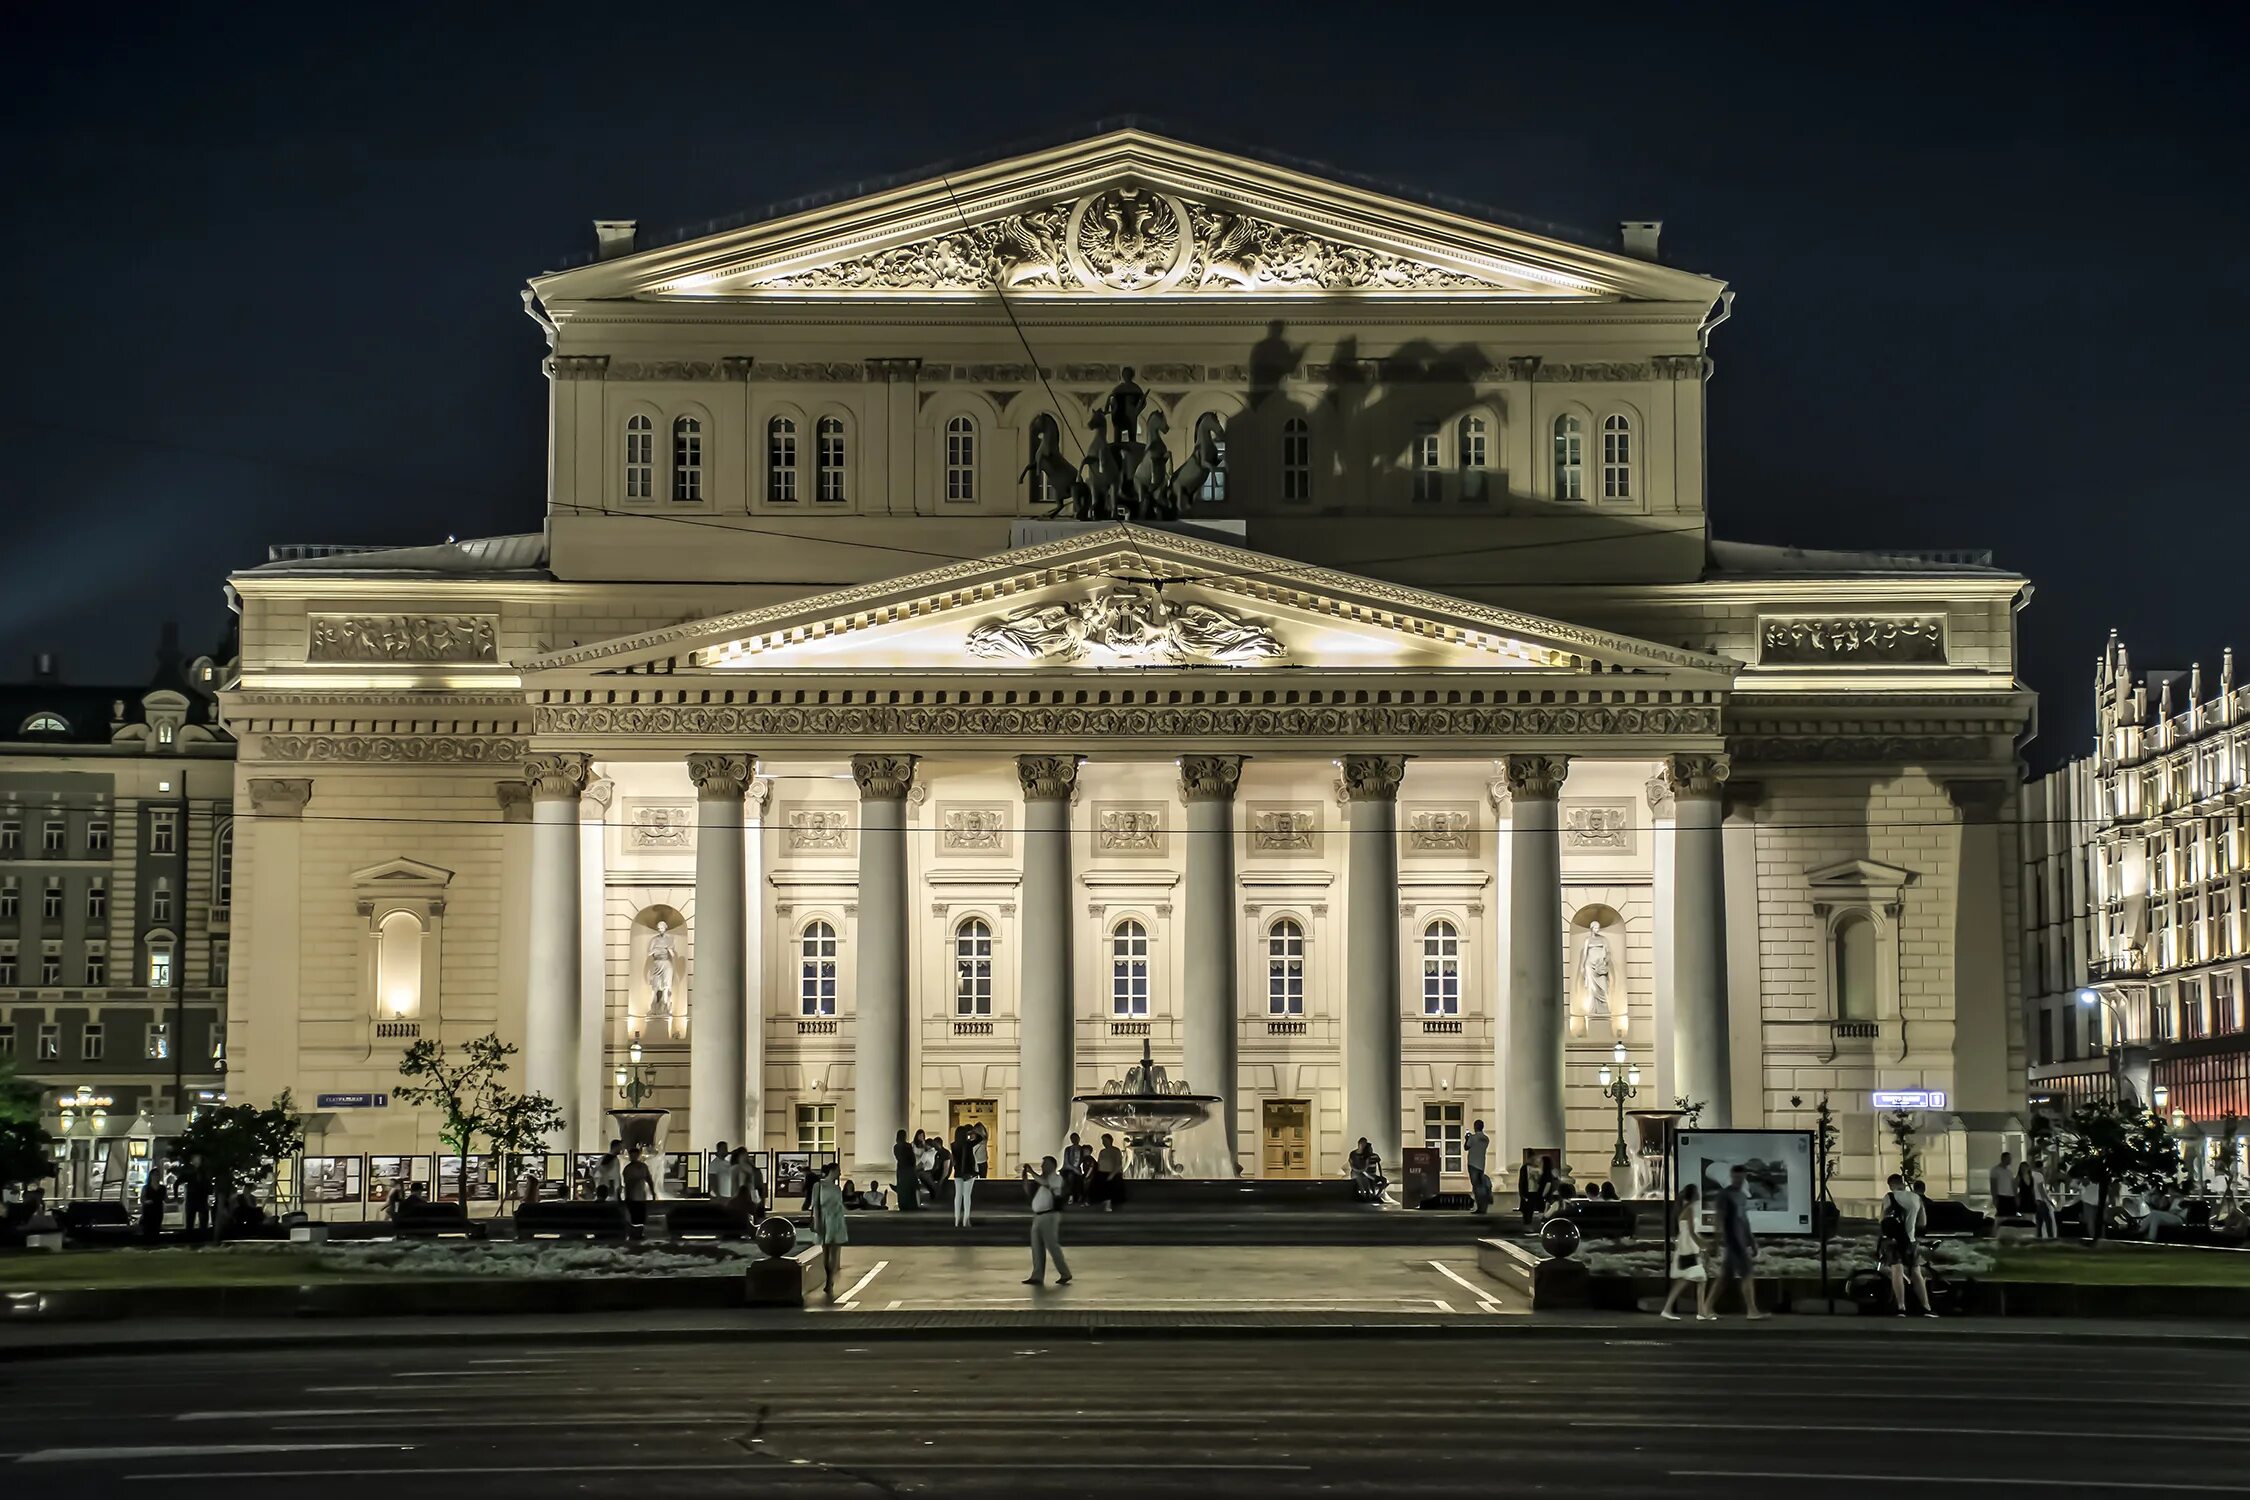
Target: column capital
{"x": 1743, "y": 797}
{"x": 758, "y": 793}
{"x": 515, "y": 800}
{"x": 593, "y": 803}
{"x": 1532, "y": 778}
{"x": 1977, "y": 799}
{"x": 1371, "y": 778}
{"x": 883, "y": 778}
{"x": 1209, "y": 778}
{"x": 721, "y": 778}
{"x": 1048, "y": 778}
{"x": 280, "y": 796}
{"x": 558, "y": 777}
{"x": 1691, "y": 775}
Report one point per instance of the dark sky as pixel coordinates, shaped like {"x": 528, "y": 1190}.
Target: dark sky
{"x": 1991, "y": 260}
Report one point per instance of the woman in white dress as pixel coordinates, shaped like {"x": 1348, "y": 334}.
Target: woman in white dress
{"x": 1687, "y": 1263}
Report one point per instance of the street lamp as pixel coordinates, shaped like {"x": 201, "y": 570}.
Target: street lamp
{"x": 1620, "y": 1081}
{"x": 2102, "y": 995}
{"x": 632, "y": 1081}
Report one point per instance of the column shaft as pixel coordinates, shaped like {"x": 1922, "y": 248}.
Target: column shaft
{"x": 1044, "y": 987}
{"x": 1702, "y": 1050}
{"x": 551, "y": 968}
{"x": 1371, "y": 976}
{"x": 754, "y": 964}
{"x": 1537, "y": 1006}
{"x": 718, "y": 1021}
{"x": 1210, "y": 1021}
{"x": 879, "y": 1055}
{"x": 590, "y": 1117}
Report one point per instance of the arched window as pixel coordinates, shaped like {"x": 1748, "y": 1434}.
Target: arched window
{"x": 1475, "y": 461}
{"x": 816, "y": 970}
{"x": 972, "y": 968}
{"x": 1856, "y": 944}
{"x": 1296, "y": 460}
{"x": 1041, "y": 489}
{"x": 828, "y": 439}
{"x": 1425, "y": 456}
{"x": 46, "y": 724}
{"x": 781, "y": 461}
{"x": 1285, "y": 968}
{"x": 687, "y": 461}
{"x": 1213, "y": 490}
{"x": 1617, "y": 457}
{"x": 961, "y": 460}
{"x": 1570, "y": 458}
{"x": 1441, "y": 969}
{"x": 398, "y": 964}
{"x": 1128, "y": 969}
{"x": 640, "y": 458}
{"x": 222, "y": 861}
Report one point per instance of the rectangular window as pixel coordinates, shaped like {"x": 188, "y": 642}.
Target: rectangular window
{"x": 97, "y": 967}
{"x": 11, "y": 838}
{"x": 1473, "y": 459}
{"x": 781, "y": 461}
{"x": 164, "y": 832}
{"x": 50, "y": 1041}
{"x": 219, "y": 964}
{"x": 50, "y": 901}
{"x": 1426, "y": 463}
{"x": 2046, "y": 1052}
{"x": 1296, "y": 461}
{"x": 97, "y": 836}
{"x": 7, "y": 966}
{"x": 687, "y": 461}
{"x": 2191, "y": 1010}
{"x": 160, "y": 969}
{"x": 53, "y": 836}
{"x": 90, "y": 1042}
{"x": 7, "y": 1041}
{"x": 2224, "y": 1021}
{"x": 50, "y": 967}
{"x": 816, "y": 1127}
{"x": 97, "y": 902}
{"x": 9, "y": 901}
{"x": 1441, "y": 1132}
{"x": 160, "y": 905}
{"x": 159, "y": 1043}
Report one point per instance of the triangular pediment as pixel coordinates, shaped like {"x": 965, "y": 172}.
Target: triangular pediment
{"x": 1115, "y": 597}
{"x": 1858, "y": 875}
{"x": 1126, "y": 214}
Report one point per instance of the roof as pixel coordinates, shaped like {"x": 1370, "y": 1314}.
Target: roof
{"x": 522, "y": 555}
{"x": 1759, "y": 560}
{"x": 93, "y": 711}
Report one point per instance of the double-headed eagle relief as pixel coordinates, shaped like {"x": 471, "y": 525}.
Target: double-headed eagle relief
{"x": 1124, "y": 240}
{"x": 1131, "y": 624}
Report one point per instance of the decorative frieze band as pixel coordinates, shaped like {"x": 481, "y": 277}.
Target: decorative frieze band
{"x": 1865, "y": 640}
{"x": 402, "y": 638}
{"x": 380, "y": 749}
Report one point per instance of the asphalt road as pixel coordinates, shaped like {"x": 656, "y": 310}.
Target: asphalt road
{"x": 1833, "y": 1414}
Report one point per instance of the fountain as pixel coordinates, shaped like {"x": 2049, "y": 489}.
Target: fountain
{"x": 1148, "y": 1109}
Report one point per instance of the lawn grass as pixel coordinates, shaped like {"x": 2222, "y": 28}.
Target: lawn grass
{"x": 72, "y": 1270}
{"x": 2073, "y": 1262}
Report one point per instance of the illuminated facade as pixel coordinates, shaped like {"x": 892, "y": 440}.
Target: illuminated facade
{"x": 1433, "y": 752}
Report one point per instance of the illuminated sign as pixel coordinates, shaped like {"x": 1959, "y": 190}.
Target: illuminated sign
{"x": 1909, "y": 1098}
{"x": 351, "y": 1101}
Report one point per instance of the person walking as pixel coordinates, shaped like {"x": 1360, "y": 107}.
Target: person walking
{"x": 609, "y": 1174}
{"x": 1476, "y": 1149}
{"x": 639, "y": 1185}
{"x": 2003, "y": 1180}
{"x": 964, "y": 1173}
{"x": 828, "y": 1230}
{"x": 719, "y": 1184}
{"x": 1687, "y": 1267}
{"x": 905, "y": 1169}
{"x": 1898, "y": 1245}
{"x": 152, "y": 1204}
{"x": 749, "y": 1184}
{"x": 1738, "y": 1247}
{"x": 2042, "y": 1203}
{"x": 1046, "y": 1223}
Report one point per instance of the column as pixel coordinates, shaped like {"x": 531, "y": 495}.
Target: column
{"x": 596, "y": 1094}
{"x": 1746, "y": 1005}
{"x": 718, "y": 1021}
{"x": 1986, "y": 1091}
{"x": 1209, "y": 1007}
{"x": 1702, "y": 1049}
{"x": 1371, "y": 1003}
{"x": 551, "y": 968}
{"x": 754, "y": 963}
{"x": 1043, "y": 986}
{"x": 879, "y": 1064}
{"x": 262, "y": 1031}
{"x": 515, "y": 903}
{"x": 1537, "y": 1006}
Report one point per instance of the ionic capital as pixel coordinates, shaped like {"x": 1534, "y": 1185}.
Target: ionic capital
{"x": 1048, "y": 778}
{"x": 1209, "y": 778}
{"x": 559, "y": 777}
{"x": 883, "y": 778}
{"x": 721, "y": 778}
{"x": 280, "y": 796}
{"x": 1533, "y": 778}
{"x": 1371, "y": 778}
{"x": 593, "y": 803}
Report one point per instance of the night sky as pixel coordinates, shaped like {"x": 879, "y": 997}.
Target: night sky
{"x": 265, "y": 261}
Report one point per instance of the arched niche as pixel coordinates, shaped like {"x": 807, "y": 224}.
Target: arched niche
{"x": 1596, "y": 953}
{"x": 645, "y": 1017}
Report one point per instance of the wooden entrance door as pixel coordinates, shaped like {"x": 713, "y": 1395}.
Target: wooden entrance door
{"x": 1287, "y": 1138}
{"x": 985, "y": 1112}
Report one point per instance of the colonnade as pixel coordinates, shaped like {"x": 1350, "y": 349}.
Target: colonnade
{"x": 1529, "y": 1044}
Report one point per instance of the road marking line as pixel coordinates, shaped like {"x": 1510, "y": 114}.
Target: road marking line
{"x": 1442, "y": 1304}
{"x": 287, "y": 1413}
{"x": 1888, "y": 1428}
{"x": 765, "y": 1464}
{"x": 1942, "y": 1479}
{"x": 861, "y": 1285}
{"x": 1482, "y": 1294}
{"x": 192, "y": 1450}
{"x": 895, "y": 1304}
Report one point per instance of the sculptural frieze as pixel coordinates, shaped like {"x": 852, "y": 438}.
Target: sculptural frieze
{"x": 402, "y": 638}
{"x": 1881, "y": 640}
{"x": 1128, "y": 624}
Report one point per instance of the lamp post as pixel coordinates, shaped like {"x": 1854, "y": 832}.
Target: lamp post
{"x": 2105, "y": 996}
{"x": 632, "y": 1081}
{"x": 1620, "y": 1081}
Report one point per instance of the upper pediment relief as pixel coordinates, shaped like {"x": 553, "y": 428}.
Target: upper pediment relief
{"x": 1126, "y": 214}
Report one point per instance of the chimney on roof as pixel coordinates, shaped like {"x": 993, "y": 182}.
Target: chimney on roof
{"x": 44, "y": 667}
{"x": 614, "y": 237}
{"x": 1640, "y": 236}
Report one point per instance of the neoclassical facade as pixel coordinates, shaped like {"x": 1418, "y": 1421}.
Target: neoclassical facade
{"x": 1131, "y": 594}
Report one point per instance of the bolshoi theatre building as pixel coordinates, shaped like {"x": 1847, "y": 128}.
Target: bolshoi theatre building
{"x": 1131, "y": 594}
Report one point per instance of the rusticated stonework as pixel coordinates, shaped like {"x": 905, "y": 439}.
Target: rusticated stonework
{"x": 402, "y": 638}
{"x": 379, "y": 749}
{"x": 1878, "y": 641}
{"x": 792, "y": 721}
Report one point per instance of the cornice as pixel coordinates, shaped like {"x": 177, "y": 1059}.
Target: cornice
{"x": 1083, "y": 317}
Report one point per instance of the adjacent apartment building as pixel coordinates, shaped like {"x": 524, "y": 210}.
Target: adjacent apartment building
{"x": 116, "y": 869}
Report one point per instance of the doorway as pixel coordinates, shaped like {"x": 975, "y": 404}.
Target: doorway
{"x": 1285, "y": 1135}
{"x": 985, "y": 1112}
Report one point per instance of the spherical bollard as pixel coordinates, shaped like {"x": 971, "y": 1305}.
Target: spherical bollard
{"x": 1559, "y": 1237}
{"x": 777, "y": 1236}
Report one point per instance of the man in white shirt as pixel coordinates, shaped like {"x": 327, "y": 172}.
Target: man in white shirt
{"x": 1898, "y": 1244}
{"x": 1046, "y": 1223}
{"x": 1477, "y": 1147}
{"x": 2003, "y": 1179}
{"x": 720, "y": 1183}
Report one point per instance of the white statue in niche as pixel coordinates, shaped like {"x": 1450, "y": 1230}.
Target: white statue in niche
{"x": 663, "y": 961}
{"x": 1593, "y": 970}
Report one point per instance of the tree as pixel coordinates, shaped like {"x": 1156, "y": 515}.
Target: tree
{"x": 2114, "y": 1147}
{"x": 1902, "y": 1127}
{"x": 469, "y": 1090}
{"x": 1825, "y": 1140}
{"x": 238, "y": 1144}
{"x": 1691, "y": 1111}
{"x": 27, "y": 1151}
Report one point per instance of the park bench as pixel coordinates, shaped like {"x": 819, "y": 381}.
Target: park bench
{"x": 701, "y": 1219}
{"x": 1600, "y": 1218}
{"x": 95, "y": 1222}
{"x": 573, "y": 1221}
{"x": 431, "y": 1221}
